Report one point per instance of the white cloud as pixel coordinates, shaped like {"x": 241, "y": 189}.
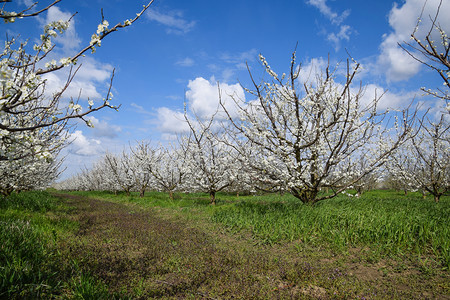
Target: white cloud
{"x": 230, "y": 63}
{"x": 84, "y": 151}
{"x": 173, "y": 97}
{"x": 27, "y": 3}
{"x": 90, "y": 77}
{"x": 309, "y": 71}
{"x": 92, "y": 70}
{"x": 336, "y": 19}
{"x": 213, "y": 67}
{"x": 395, "y": 62}
{"x": 186, "y": 62}
{"x": 343, "y": 34}
{"x": 388, "y": 99}
{"x": 240, "y": 57}
{"x": 203, "y": 96}
{"x": 173, "y": 20}
{"x": 140, "y": 109}
{"x": 316, "y": 68}
{"x": 203, "y": 101}
{"x": 227, "y": 74}
{"x": 324, "y": 9}
{"x": 137, "y": 106}
{"x": 103, "y": 129}
{"x": 398, "y": 65}
{"x": 84, "y": 146}
{"x": 170, "y": 121}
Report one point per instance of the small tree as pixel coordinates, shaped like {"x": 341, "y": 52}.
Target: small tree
{"x": 353, "y": 169}
{"x": 121, "y": 168}
{"x": 165, "y": 166}
{"x": 399, "y": 169}
{"x": 431, "y": 147}
{"x": 143, "y": 154}
{"x": 210, "y": 164}
{"x": 430, "y": 150}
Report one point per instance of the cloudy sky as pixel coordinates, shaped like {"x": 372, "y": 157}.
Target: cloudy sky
{"x": 179, "y": 51}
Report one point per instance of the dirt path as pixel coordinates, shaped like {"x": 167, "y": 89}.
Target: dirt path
{"x": 143, "y": 254}
{"x": 149, "y": 256}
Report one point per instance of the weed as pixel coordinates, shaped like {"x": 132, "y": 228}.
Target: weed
{"x": 87, "y": 287}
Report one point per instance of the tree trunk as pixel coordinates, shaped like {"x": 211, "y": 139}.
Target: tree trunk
{"x": 359, "y": 191}
{"x": 436, "y": 198}
{"x": 171, "y": 195}
{"x": 212, "y": 196}
{"x": 306, "y": 196}
{"x": 141, "y": 193}
{"x": 423, "y": 195}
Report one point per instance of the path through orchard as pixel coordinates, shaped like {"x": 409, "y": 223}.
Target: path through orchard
{"x": 138, "y": 251}
{"x": 148, "y": 253}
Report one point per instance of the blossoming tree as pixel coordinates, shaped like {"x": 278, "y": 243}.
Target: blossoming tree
{"x": 302, "y": 132}
{"x": 32, "y": 122}
{"x": 430, "y": 151}
{"x": 164, "y": 166}
{"x": 210, "y": 161}
{"x": 431, "y": 147}
{"x": 123, "y": 170}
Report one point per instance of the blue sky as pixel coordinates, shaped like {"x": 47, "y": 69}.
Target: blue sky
{"x": 179, "y": 50}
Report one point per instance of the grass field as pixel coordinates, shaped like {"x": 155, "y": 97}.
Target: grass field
{"x": 381, "y": 245}
{"x": 388, "y": 222}
{"x": 33, "y": 227}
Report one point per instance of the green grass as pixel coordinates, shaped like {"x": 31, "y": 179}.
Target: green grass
{"x": 382, "y": 245}
{"x": 32, "y": 225}
{"x": 33, "y": 201}
{"x": 28, "y": 246}
{"x": 51, "y": 250}
{"x": 387, "y": 222}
